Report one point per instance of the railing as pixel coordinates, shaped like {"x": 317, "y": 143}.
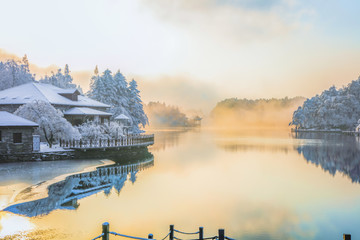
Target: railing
{"x": 130, "y": 140}
{"x": 354, "y": 133}
{"x": 105, "y": 235}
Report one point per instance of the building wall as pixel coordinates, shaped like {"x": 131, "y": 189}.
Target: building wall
{"x": 8, "y": 147}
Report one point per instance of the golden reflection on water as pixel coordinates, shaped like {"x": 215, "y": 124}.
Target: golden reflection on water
{"x": 11, "y": 223}
{"x": 261, "y": 189}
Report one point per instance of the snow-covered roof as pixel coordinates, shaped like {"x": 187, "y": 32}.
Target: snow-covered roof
{"x": 11, "y": 120}
{"x": 41, "y": 91}
{"x": 69, "y": 91}
{"x": 86, "y": 111}
{"x": 121, "y": 116}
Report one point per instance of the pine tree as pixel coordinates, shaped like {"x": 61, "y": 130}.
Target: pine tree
{"x": 136, "y": 107}
{"x": 123, "y": 99}
{"x": 25, "y": 64}
{"x": 100, "y": 89}
{"x": 121, "y": 95}
{"x": 13, "y": 73}
{"x": 67, "y": 78}
{"x": 61, "y": 80}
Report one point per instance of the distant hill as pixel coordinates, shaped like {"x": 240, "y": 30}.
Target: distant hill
{"x": 245, "y": 113}
{"x": 162, "y": 115}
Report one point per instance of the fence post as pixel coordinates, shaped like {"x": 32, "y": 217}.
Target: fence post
{"x": 201, "y": 233}
{"x": 105, "y": 231}
{"x": 171, "y": 236}
{"x": 150, "y": 236}
{"x": 347, "y": 236}
{"x": 221, "y": 234}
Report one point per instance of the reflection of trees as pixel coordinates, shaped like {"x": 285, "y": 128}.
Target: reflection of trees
{"x": 233, "y": 147}
{"x": 166, "y": 139}
{"x": 333, "y": 152}
{"x": 64, "y": 194}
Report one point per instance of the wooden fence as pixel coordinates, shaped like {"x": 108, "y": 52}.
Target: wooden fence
{"x": 199, "y": 235}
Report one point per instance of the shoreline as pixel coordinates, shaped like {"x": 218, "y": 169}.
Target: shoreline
{"x": 354, "y": 133}
{"x": 39, "y": 190}
{"x": 75, "y": 154}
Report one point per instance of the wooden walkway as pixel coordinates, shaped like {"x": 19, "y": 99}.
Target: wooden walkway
{"x": 142, "y": 140}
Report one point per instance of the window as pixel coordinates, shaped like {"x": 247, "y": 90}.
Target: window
{"x": 17, "y": 137}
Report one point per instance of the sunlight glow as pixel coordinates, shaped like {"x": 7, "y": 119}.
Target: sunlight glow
{"x": 12, "y": 224}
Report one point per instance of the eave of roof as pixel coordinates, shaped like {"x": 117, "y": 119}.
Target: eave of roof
{"x": 10, "y": 120}
{"x": 46, "y": 92}
{"x": 86, "y": 112}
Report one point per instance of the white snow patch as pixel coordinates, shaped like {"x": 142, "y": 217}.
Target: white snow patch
{"x": 44, "y": 147}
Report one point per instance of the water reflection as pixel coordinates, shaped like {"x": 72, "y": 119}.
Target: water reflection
{"x": 333, "y": 153}
{"x": 243, "y": 147}
{"x": 65, "y": 194}
{"x": 167, "y": 139}
{"x": 241, "y": 143}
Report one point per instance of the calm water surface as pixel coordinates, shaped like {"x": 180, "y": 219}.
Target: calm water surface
{"x": 268, "y": 185}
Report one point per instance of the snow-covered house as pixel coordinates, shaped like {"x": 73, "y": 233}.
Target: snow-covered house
{"x": 76, "y": 107}
{"x": 16, "y": 134}
{"x": 78, "y": 115}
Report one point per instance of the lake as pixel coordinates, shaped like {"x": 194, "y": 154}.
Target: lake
{"x": 255, "y": 185}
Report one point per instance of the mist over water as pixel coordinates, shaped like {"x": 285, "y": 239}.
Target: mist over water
{"x": 256, "y": 184}
{"x": 237, "y": 114}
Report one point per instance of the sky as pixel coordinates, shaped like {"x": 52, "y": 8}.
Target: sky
{"x": 192, "y": 53}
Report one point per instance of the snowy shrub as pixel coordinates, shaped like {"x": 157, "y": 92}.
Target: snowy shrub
{"x": 91, "y": 131}
{"x": 94, "y": 131}
{"x": 52, "y": 124}
{"x": 113, "y": 130}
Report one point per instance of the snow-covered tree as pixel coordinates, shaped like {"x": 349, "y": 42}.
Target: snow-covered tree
{"x": 123, "y": 99}
{"x": 61, "y": 80}
{"x": 52, "y": 125}
{"x": 14, "y": 73}
{"x": 137, "y": 113}
{"x": 25, "y": 64}
{"x": 332, "y": 109}
{"x": 100, "y": 87}
{"x": 120, "y": 91}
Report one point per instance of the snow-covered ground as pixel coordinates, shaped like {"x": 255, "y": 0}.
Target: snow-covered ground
{"x": 44, "y": 147}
